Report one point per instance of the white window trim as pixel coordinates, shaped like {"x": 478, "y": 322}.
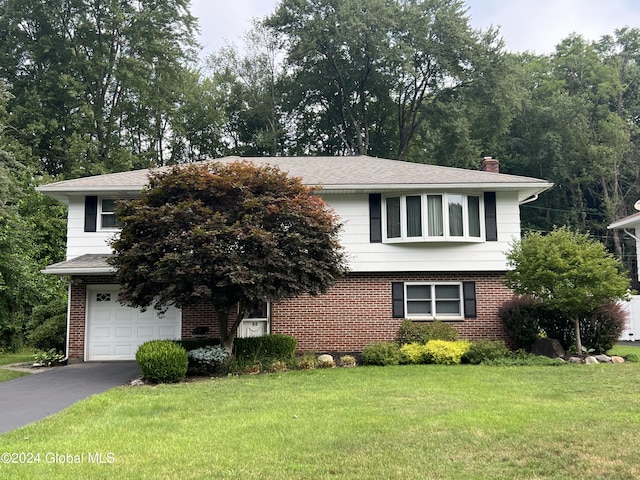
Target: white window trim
{"x": 434, "y": 315}
{"x": 266, "y": 319}
{"x": 447, "y": 237}
{"x": 100, "y": 213}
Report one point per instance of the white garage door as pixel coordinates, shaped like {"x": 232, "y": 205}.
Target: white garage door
{"x": 114, "y": 331}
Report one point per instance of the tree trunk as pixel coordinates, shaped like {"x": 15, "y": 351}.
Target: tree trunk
{"x": 227, "y": 335}
{"x": 576, "y": 324}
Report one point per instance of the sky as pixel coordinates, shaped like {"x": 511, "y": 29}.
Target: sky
{"x": 533, "y": 25}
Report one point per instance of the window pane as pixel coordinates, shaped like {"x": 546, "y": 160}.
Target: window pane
{"x": 108, "y": 205}
{"x": 474, "y": 216}
{"x": 418, "y": 292}
{"x": 447, "y": 292}
{"x": 257, "y": 310}
{"x": 447, "y": 300}
{"x": 418, "y": 308}
{"x": 414, "y": 216}
{"x": 393, "y": 217}
{"x": 455, "y": 215}
{"x": 434, "y": 210}
{"x": 447, "y": 308}
{"x": 109, "y": 220}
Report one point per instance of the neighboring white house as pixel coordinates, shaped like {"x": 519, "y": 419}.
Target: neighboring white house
{"x": 425, "y": 242}
{"x": 631, "y": 227}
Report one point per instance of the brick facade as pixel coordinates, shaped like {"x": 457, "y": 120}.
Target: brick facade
{"x": 358, "y": 311}
{"x": 355, "y": 312}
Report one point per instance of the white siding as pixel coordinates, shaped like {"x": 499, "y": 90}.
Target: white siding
{"x": 364, "y": 256}
{"x": 80, "y": 242}
{"x": 427, "y": 256}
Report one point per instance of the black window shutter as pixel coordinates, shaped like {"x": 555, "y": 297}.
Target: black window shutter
{"x": 490, "y": 220}
{"x": 397, "y": 293}
{"x": 375, "y": 218}
{"x": 90, "y": 213}
{"x": 469, "y": 299}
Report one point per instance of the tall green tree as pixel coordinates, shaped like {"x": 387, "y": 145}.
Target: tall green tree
{"x": 577, "y": 125}
{"x": 361, "y": 75}
{"x": 247, "y": 84}
{"x": 230, "y": 235}
{"x": 93, "y": 83}
{"x": 32, "y": 235}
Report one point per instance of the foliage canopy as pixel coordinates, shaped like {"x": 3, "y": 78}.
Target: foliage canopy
{"x": 569, "y": 271}
{"x": 231, "y": 235}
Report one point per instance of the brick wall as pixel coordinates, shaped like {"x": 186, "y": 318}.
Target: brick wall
{"x": 355, "y": 312}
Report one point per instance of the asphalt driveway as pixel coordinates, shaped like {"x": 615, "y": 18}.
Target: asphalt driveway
{"x": 33, "y": 397}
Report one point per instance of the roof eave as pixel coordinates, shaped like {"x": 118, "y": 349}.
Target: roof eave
{"x": 77, "y": 271}
{"x": 52, "y": 190}
{"x": 633, "y": 220}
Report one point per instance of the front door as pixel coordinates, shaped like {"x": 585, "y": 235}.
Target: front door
{"x": 255, "y": 322}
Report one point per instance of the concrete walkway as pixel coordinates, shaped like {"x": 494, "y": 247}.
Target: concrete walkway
{"x": 33, "y": 397}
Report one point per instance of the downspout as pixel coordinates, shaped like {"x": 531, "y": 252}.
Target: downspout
{"x": 637, "y": 244}
{"x": 66, "y": 357}
{"x": 631, "y": 235}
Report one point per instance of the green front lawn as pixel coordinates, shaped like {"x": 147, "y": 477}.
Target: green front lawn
{"x": 19, "y": 357}
{"x": 8, "y": 359}
{"x": 406, "y": 422}
{"x": 10, "y": 374}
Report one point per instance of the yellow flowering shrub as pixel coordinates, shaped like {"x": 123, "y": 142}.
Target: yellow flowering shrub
{"x": 413, "y": 353}
{"x": 445, "y": 352}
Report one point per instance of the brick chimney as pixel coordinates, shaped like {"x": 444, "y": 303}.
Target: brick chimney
{"x": 491, "y": 165}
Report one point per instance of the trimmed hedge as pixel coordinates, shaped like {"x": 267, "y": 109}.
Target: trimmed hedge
{"x": 422, "y": 332}
{"x": 381, "y": 353}
{"x": 162, "y": 361}
{"x": 441, "y": 352}
{"x": 485, "y": 350}
{"x": 194, "y": 343}
{"x": 444, "y": 352}
{"x": 273, "y": 347}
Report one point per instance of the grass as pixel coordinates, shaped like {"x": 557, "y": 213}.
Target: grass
{"x": 624, "y": 350}
{"x": 406, "y": 422}
{"x": 8, "y": 359}
{"x": 19, "y": 357}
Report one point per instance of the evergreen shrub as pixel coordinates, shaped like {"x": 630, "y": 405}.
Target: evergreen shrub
{"x": 422, "y": 332}
{"x": 483, "y": 350}
{"x": 267, "y": 347}
{"x": 381, "y": 353}
{"x": 162, "y": 361}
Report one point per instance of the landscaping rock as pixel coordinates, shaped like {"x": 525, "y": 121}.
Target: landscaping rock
{"x": 591, "y": 360}
{"x": 326, "y": 358}
{"x": 548, "y": 347}
{"x": 603, "y": 358}
{"x": 576, "y": 360}
{"x": 616, "y": 359}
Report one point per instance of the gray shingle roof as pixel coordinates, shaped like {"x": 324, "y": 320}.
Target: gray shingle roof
{"x": 331, "y": 173}
{"x": 89, "y": 264}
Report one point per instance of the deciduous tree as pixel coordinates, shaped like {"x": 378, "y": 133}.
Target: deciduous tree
{"x": 569, "y": 271}
{"x": 228, "y": 235}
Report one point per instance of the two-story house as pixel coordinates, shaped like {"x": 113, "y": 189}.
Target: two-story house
{"x": 424, "y": 242}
